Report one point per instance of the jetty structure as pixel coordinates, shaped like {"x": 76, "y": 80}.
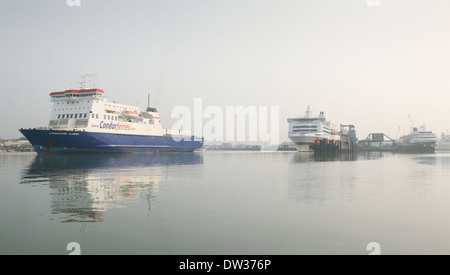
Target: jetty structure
{"x": 347, "y": 141}
{"x": 418, "y": 141}
{"x": 378, "y": 142}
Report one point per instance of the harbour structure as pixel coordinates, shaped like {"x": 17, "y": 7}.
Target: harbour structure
{"x": 84, "y": 121}
{"x": 379, "y": 142}
{"x": 417, "y": 141}
{"x": 303, "y": 131}
{"x": 348, "y": 139}
{"x": 346, "y": 143}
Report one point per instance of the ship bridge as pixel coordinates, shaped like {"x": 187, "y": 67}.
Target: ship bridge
{"x": 76, "y": 94}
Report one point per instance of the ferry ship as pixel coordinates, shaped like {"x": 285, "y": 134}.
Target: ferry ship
{"x": 418, "y": 141}
{"x": 304, "y": 130}
{"x": 443, "y": 144}
{"x": 84, "y": 121}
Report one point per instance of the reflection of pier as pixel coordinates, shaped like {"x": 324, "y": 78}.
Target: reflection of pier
{"x": 82, "y": 187}
{"x": 312, "y": 183}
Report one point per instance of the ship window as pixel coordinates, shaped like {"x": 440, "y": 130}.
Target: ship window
{"x": 305, "y": 127}
{"x": 71, "y": 115}
{"x": 85, "y": 115}
{"x": 93, "y": 115}
{"x": 59, "y": 116}
{"x": 104, "y": 117}
{"x": 109, "y": 117}
{"x": 96, "y": 116}
{"x": 76, "y": 115}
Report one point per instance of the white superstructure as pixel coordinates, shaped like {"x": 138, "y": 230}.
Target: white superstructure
{"x": 84, "y": 121}
{"x": 444, "y": 142}
{"x": 304, "y": 130}
{"x": 418, "y": 137}
{"x": 88, "y": 110}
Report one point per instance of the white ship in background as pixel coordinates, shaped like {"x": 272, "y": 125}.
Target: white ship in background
{"x": 304, "y": 130}
{"x": 444, "y": 142}
{"x": 419, "y": 140}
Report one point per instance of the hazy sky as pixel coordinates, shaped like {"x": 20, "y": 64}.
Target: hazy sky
{"x": 370, "y": 66}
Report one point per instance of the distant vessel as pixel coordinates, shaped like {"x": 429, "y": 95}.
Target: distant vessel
{"x": 84, "y": 121}
{"x": 444, "y": 142}
{"x": 287, "y": 146}
{"x": 419, "y": 141}
{"x": 304, "y": 130}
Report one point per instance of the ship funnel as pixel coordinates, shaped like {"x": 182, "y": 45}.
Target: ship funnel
{"x": 150, "y": 109}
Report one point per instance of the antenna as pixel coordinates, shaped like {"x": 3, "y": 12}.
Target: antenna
{"x": 86, "y": 81}
{"x": 308, "y": 112}
{"x": 148, "y": 105}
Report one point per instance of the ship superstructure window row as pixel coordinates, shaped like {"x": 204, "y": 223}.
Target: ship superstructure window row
{"x": 66, "y": 116}
{"x": 304, "y": 131}
{"x": 305, "y": 127}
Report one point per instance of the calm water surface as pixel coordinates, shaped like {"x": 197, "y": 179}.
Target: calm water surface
{"x": 225, "y": 203}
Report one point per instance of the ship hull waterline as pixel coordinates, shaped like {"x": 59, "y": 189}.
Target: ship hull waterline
{"x": 424, "y": 147}
{"x": 77, "y": 142}
{"x": 303, "y": 143}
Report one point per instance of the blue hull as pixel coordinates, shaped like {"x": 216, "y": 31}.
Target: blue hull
{"x": 64, "y": 142}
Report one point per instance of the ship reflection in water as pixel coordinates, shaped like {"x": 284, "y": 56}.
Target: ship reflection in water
{"x": 83, "y": 187}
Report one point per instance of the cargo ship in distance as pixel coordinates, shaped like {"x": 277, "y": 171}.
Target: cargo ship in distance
{"x": 84, "y": 121}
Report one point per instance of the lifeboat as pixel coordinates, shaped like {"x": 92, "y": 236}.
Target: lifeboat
{"x": 131, "y": 114}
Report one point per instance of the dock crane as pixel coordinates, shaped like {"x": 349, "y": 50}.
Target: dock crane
{"x": 410, "y": 119}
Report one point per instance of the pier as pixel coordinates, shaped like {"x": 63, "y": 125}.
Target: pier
{"x": 325, "y": 146}
{"x": 378, "y": 142}
{"x": 346, "y": 142}
{"x": 375, "y": 142}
